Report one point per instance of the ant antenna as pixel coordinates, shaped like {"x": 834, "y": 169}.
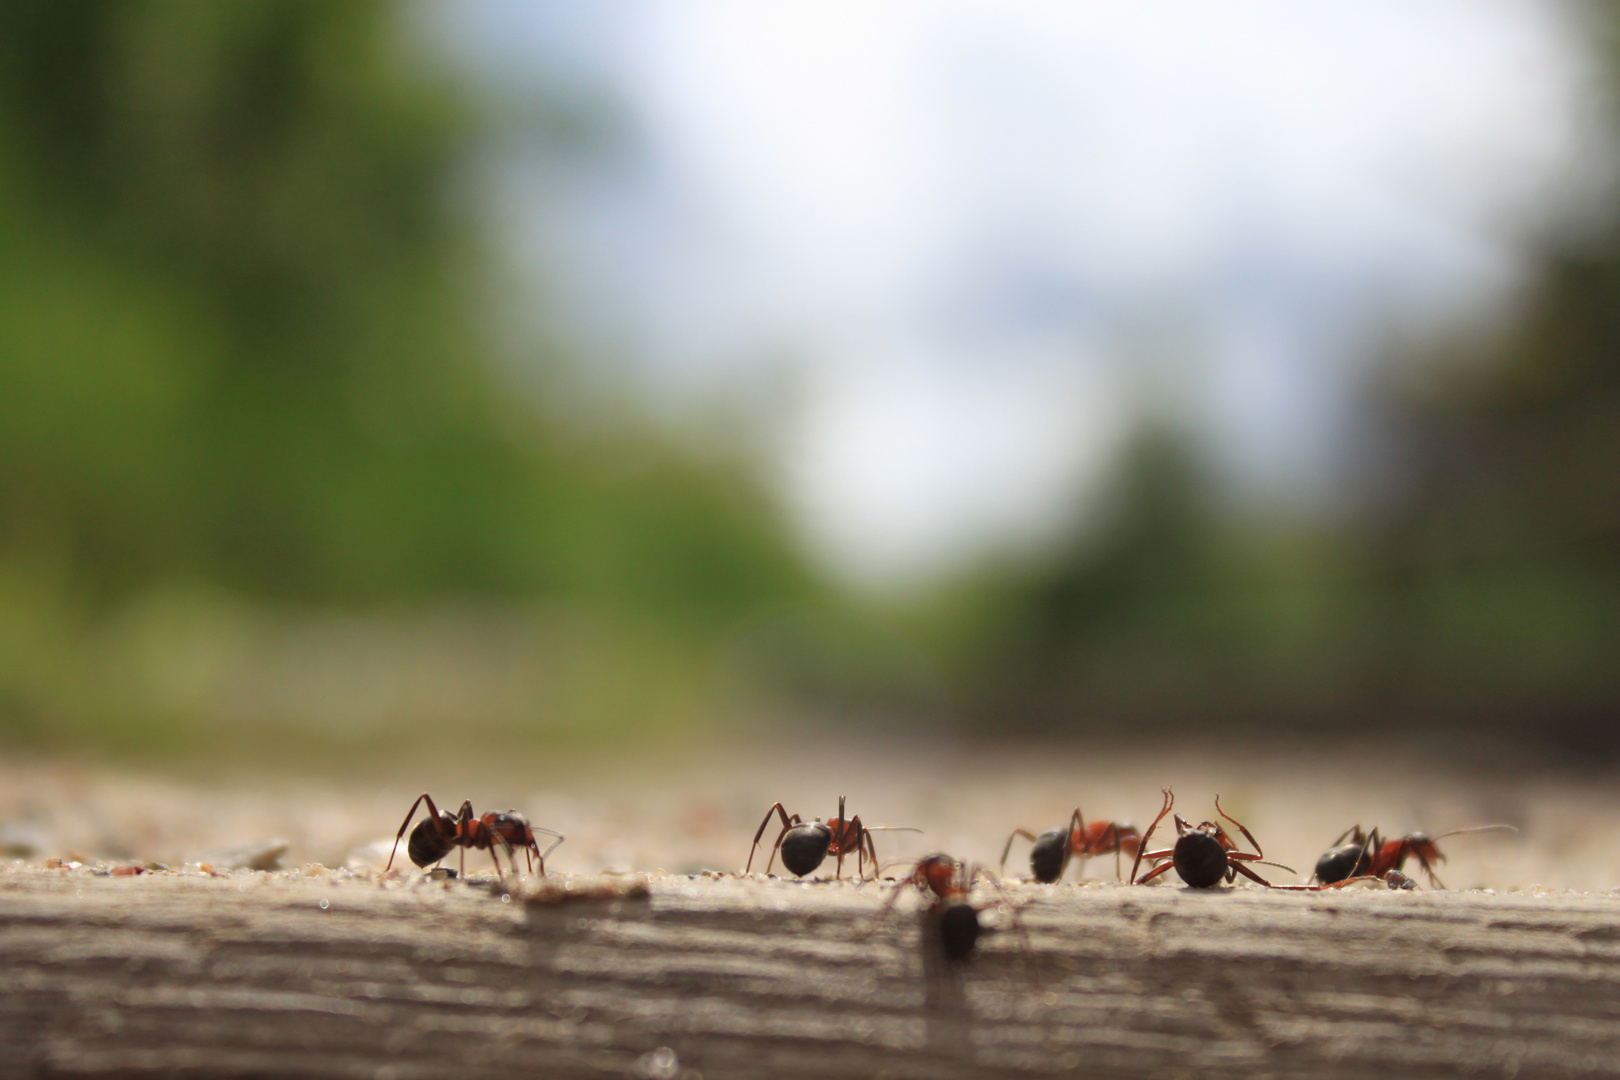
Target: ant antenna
{"x": 1477, "y": 828}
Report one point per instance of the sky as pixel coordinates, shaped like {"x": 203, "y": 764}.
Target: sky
{"x": 950, "y": 255}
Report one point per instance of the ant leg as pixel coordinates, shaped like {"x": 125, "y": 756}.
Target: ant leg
{"x": 1434, "y": 879}
{"x": 1169, "y": 801}
{"x": 1246, "y": 872}
{"x": 1247, "y": 834}
{"x": 1155, "y": 872}
{"x": 1244, "y": 856}
{"x": 433, "y": 812}
{"x": 973, "y": 874}
{"x": 1016, "y": 833}
{"x": 778, "y": 847}
{"x": 776, "y": 809}
{"x": 1354, "y": 830}
{"x": 916, "y": 878}
{"x": 1333, "y": 885}
{"x": 838, "y": 831}
{"x": 541, "y": 855}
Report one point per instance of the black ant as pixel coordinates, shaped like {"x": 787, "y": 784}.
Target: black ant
{"x": 1204, "y": 855}
{"x": 440, "y": 831}
{"x": 806, "y": 844}
{"x": 1051, "y": 851}
{"x": 946, "y": 883}
{"x": 1369, "y": 856}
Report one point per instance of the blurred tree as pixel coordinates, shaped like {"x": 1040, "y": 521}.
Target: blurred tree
{"x": 1481, "y": 593}
{"x": 243, "y": 341}
{"x": 240, "y": 332}
{"x": 1500, "y": 553}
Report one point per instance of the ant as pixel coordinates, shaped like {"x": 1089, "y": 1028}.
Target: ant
{"x": 949, "y": 882}
{"x": 440, "y": 831}
{"x": 1203, "y": 855}
{"x": 1051, "y": 851}
{"x": 805, "y": 844}
{"x": 1368, "y": 855}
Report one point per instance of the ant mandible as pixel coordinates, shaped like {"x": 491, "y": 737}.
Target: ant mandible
{"x": 1051, "y": 851}
{"x": 1367, "y": 855}
{"x": 949, "y": 882}
{"x": 440, "y": 831}
{"x": 806, "y": 844}
{"x": 1204, "y": 855}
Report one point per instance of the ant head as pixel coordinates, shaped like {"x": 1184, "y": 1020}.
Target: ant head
{"x": 1424, "y": 849}
{"x": 940, "y": 873}
{"x": 512, "y": 827}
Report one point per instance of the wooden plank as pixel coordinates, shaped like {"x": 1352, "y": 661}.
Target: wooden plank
{"x": 253, "y": 975}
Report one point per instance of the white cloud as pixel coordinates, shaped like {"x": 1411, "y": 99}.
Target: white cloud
{"x": 971, "y": 221}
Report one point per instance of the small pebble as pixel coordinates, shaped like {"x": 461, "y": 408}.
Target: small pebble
{"x": 265, "y": 855}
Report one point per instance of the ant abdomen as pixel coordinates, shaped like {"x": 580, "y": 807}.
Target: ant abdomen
{"x": 1200, "y": 859}
{"x": 1046, "y": 856}
{"x": 959, "y": 930}
{"x": 804, "y": 847}
{"x": 1343, "y": 861}
{"x": 432, "y": 840}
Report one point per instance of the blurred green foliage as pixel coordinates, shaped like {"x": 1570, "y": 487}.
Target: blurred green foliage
{"x": 245, "y": 379}
{"x": 261, "y": 487}
{"x": 1476, "y": 589}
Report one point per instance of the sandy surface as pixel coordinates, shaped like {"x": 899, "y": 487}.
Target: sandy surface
{"x": 684, "y": 812}
{"x": 325, "y": 969}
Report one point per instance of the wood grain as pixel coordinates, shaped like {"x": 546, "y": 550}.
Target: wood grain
{"x": 249, "y": 975}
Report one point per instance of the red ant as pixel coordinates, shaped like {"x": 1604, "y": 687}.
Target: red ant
{"x": 806, "y": 844}
{"x": 1203, "y": 855}
{"x": 1369, "y": 856}
{"x": 440, "y": 831}
{"x": 949, "y": 882}
{"x": 1051, "y": 851}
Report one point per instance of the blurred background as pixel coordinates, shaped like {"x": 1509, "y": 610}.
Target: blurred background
{"x": 397, "y": 381}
